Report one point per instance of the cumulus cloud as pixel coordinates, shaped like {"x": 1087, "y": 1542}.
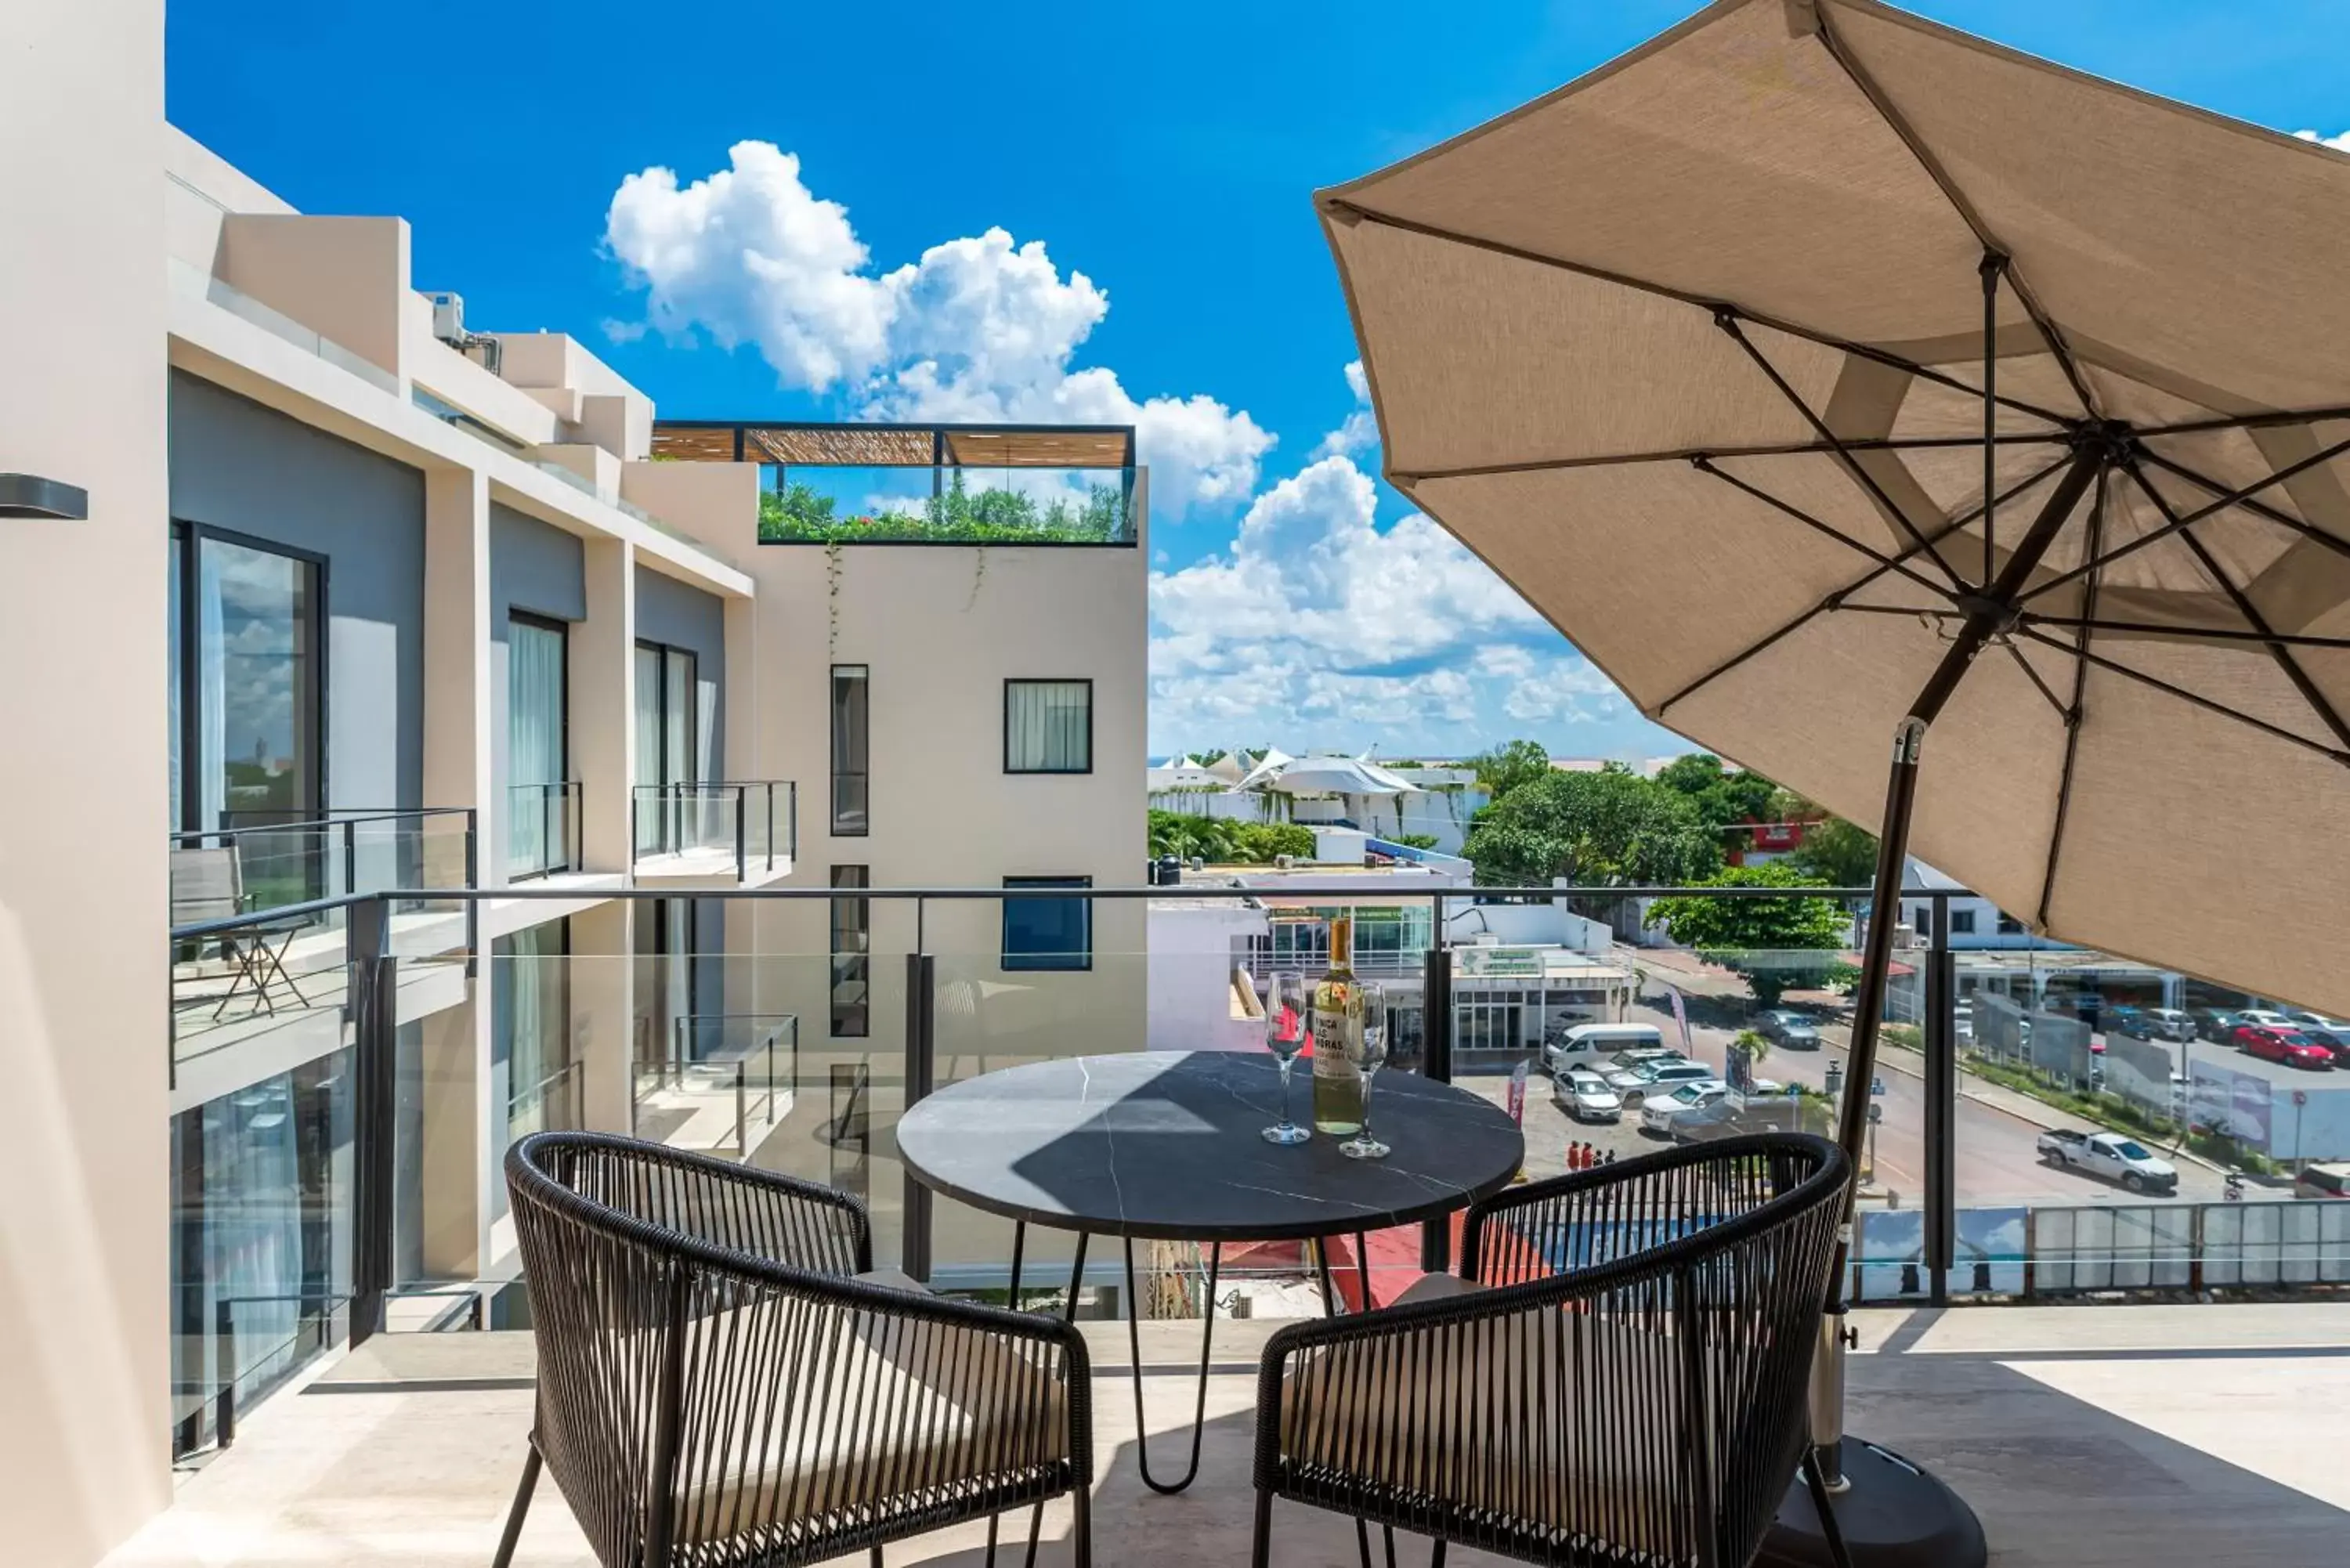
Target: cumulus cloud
{"x": 1360, "y": 430}
{"x": 2339, "y": 143}
{"x": 985, "y": 328}
{"x": 1320, "y": 627}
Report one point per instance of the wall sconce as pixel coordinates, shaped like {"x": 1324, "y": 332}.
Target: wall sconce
{"x": 30, "y": 495}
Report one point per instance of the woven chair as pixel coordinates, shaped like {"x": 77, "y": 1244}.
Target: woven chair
{"x": 1618, "y": 1376}
{"x": 723, "y": 1381}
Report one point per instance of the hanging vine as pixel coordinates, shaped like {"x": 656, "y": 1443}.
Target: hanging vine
{"x": 832, "y": 598}
{"x": 978, "y": 575}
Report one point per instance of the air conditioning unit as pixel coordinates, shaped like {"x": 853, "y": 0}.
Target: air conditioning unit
{"x": 449, "y": 317}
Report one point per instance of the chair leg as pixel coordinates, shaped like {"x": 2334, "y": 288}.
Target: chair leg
{"x": 1081, "y": 1527}
{"x": 1261, "y": 1542}
{"x": 521, "y": 1507}
{"x": 1831, "y": 1530}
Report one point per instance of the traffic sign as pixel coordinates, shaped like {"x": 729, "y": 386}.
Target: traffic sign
{"x": 1875, "y": 1114}
{"x": 1877, "y": 1086}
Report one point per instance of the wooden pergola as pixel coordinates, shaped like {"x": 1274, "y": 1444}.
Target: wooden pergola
{"x": 800, "y": 444}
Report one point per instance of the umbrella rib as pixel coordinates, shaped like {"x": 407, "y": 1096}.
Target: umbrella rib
{"x": 1664, "y": 291}
{"x": 2251, "y": 421}
{"x": 1705, "y": 465}
{"x": 2225, "y": 500}
{"x": 2062, "y": 713}
{"x": 2192, "y": 698}
{"x": 2317, "y": 699}
{"x": 2072, "y": 716}
{"x": 1836, "y": 599}
{"x": 1727, "y": 320}
{"x": 1899, "y": 125}
{"x": 2185, "y": 633}
{"x": 1685, "y": 454}
{"x": 2259, "y": 509}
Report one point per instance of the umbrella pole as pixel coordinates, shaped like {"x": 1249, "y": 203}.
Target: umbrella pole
{"x": 1906, "y": 1516}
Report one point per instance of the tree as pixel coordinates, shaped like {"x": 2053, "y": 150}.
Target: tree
{"x": 1597, "y": 829}
{"x": 1722, "y": 798}
{"x": 1838, "y": 853}
{"x": 1776, "y": 944}
{"x": 1207, "y": 759}
{"x": 1508, "y": 766}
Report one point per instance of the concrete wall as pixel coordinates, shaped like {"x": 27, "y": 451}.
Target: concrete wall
{"x": 85, "y": 1443}
{"x": 239, "y": 466}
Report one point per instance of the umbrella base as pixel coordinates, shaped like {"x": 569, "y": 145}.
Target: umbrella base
{"x": 1893, "y": 1515}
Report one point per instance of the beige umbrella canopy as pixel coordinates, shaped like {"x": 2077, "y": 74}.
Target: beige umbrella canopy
{"x": 1693, "y": 353}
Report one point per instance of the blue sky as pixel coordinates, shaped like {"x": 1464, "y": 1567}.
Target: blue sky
{"x": 1040, "y": 210}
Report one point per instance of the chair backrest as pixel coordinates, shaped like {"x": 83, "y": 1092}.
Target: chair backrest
{"x": 207, "y": 884}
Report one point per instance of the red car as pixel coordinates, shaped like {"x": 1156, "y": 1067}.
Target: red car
{"x": 2288, "y": 1046}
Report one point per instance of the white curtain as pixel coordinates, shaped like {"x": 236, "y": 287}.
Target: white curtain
{"x": 1048, "y": 727}
{"x": 535, "y": 746}
{"x": 211, "y": 696}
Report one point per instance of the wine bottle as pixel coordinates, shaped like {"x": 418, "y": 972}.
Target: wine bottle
{"x": 1338, "y": 1034}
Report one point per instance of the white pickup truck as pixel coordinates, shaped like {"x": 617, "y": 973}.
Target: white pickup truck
{"x": 2114, "y": 1156}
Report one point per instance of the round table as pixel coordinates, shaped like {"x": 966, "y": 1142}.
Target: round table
{"x": 1166, "y": 1146}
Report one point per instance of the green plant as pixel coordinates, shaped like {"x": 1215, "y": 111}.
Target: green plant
{"x": 1594, "y": 829}
{"x": 1416, "y": 840}
{"x": 1776, "y": 944}
{"x": 957, "y": 514}
{"x": 1224, "y": 842}
{"x": 1510, "y": 766}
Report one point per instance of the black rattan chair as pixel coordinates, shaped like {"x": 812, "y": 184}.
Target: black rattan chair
{"x": 1619, "y": 1376}
{"x": 718, "y": 1385}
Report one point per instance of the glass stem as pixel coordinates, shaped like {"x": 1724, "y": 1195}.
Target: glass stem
{"x": 1285, "y": 1062}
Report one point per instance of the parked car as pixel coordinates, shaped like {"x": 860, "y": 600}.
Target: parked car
{"x": 2290, "y": 1046}
{"x": 1784, "y": 1027}
{"x": 2215, "y": 1022}
{"x": 2328, "y": 1181}
{"x": 1657, "y": 1111}
{"x": 2265, "y": 1017}
{"x": 2333, "y": 1033}
{"x": 1566, "y": 1044}
{"x": 1638, "y": 1057}
{"x": 2155, "y": 1023}
{"x": 2122, "y": 1020}
{"x": 1584, "y": 1095}
{"x": 1636, "y": 1084}
{"x": 2112, "y": 1155}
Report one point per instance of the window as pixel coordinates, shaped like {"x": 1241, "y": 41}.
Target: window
{"x": 247, "y": 705}
{"x": 851, "y": 746}
{"x": 852, "y": 962}
{"x": 2009, "y": 926}
{"x": 1962, "y": 922}
{"x": 1048, "y": 933}
{"x": 667, "y": 948}
{"x": 672, "y": 740}
{"x": 1048, "y": 726}
{"x": 538, "y": 741}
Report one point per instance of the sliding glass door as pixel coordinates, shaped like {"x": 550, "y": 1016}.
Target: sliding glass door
{"x": 248, "y": 722}
{"x": 671, "y": 751}
{"x": 538, "y": 760}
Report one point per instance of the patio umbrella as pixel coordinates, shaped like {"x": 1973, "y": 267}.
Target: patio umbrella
{"x": 1826, "y": 375}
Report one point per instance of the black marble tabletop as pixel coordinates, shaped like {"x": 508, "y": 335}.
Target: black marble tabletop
{"x": 1168, "y": 1145}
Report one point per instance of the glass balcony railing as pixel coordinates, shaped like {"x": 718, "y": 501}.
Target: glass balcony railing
{"x": 543, "y": 830}
{"x": 825, "y": 505}
{"x": 771, "y": 1029}
{"x": 750, "y": 828}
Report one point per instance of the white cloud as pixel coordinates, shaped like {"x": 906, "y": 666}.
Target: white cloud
{"x": 1319, "y": 626}
{"x": 1360, "y": 429}
{"x": 978, "y": 328}
{"x": 2339, "y": 143}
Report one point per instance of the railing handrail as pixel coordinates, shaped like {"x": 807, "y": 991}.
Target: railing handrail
{"x": 336, "y": 816}
{"x": 566, "y": 785}
{"x": 683, "y": 784}
{"x": 1353, "y": 891}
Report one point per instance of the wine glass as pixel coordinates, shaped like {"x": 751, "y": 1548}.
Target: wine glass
{"x": 1368, "y": 1052}
{"x": 1284, "y": 1034}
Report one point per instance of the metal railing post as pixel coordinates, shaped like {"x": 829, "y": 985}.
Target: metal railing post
{"x": 1436, "y": 1063}
{"x": 742, "y": 1112}
{"x": 921, "y": 1045}
{"x": 374, "y": 1005}
{"x": 770, "y": 789}
{"x": 1940, "y": 1038}
{"x": 742, "y": 833}
{"x": 350, "y": 855}
{"x": 225, "y": 1353}
{"x": 472, "y": 879}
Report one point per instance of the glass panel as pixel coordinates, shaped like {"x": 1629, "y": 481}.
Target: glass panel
{"x": 536, "y": 760}
{"x": 260, "y": 1238}
{"x": 851, "y": 972}
{"x": 1048, "y": 726}
{"x": 255, "y": 678}
{"x": 851, "y": 738}
{"x": 530, "y": 1038}
{"x": 647, "y": 812}
{"x": 847, "y": 505}
{"x": 1048, "y": 933}
{"x": 171, "y": 617}
{"x": 678, "y": 714}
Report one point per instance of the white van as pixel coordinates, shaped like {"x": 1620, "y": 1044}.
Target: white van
{"x": 1589, "y": 1045}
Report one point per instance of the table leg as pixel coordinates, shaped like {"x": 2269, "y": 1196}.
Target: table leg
{"x": 1362, "y": 1268}
{"x": 1068, "y": 1315}
{"x": 1012, "y": 1300}
{"x": 1322, "y": 1267}
{"x": 1200, "y": 1405}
